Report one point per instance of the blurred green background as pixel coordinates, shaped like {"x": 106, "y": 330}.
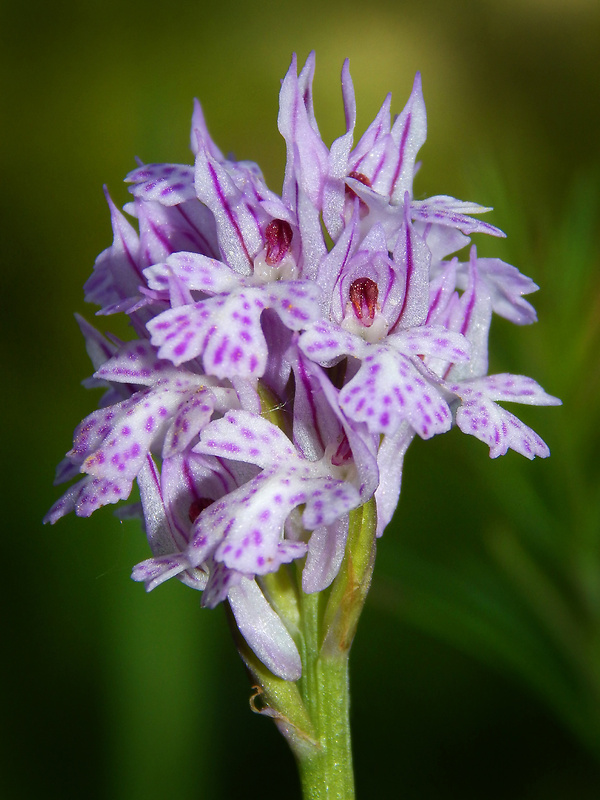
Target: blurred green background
{"x": 476, "y": 669}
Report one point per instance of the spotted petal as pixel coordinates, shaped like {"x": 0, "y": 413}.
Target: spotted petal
{"x": 478, "y": 414}
{"x": 249, "y": 522}
{"x": 388, "y": 389}
{"x": 324, "y": 342}
{"x": 431, "y": 340}
{"x": 195, "y": 271}
{"x": 168, "y": 184}
{"x": 244, "y": 530}
{"x": 136, "y": 363}
{"x": 88, "y": 495}
{"x": 191, "y": 416}
{"x": 133, "y": 428}
{"x": 248, "y": 437}
{"x": 226, "y": 330}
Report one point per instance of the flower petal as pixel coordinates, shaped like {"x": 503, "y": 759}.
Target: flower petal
{"x": 506, "y": 286}
{"x": 387, "y": 389}
{"x": 306, "y": 153}
{"x": 481, "y": 417}
{"x": 191, "y": 416}
{"x": 414, "y": 256}
{"x": 196, "y": 271}
{"x": 117, "y": 271}
{"x": 238, "y": 230}
{"x": 168, "y": 184}
{"x": 88, "y": 495}
{"x": 224, "y": 330}
{"x": 264, "y": 631}
{"x": 247, "y": 437}
{"x": 390, "y": 460}
{"x": 514, "y": 388}
{"x": 136, "y": 363}
{"x": 325, "y": 342}
{"x": 409, "y": 132}
{"x": 444, "y": 210}
{"x": 326, "y": 549}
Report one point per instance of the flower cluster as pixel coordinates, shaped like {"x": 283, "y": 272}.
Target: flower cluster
{"x": 288, "y": 350}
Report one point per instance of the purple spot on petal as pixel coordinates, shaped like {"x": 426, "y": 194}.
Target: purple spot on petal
{"x": 180, "y": 349}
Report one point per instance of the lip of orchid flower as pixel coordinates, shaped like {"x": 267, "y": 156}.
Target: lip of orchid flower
{"x": 245, "y": 437}
{"x": 243, "y": 530}
{"x": 111, "y": 444}
{"x": 391, "y": 385}
{"x": 479, "y": 415}
{"x": 225, "y": 330}
{"x": 257, "y": 621}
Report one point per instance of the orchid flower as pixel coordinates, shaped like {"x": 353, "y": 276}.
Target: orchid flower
{"x": 286, "y": 350}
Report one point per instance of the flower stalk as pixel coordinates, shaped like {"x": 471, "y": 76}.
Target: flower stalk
{"x": 314, "y": 713}
{"x": 326, "y": 770}
{"x": 329, "y": 624}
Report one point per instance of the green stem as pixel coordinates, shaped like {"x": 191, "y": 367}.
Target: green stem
{"x": 313, "y": 713}
{"x": 326, "y": 768}
{"x": 328, "y": 624}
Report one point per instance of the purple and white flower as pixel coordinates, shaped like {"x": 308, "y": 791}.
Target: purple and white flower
{"x": 275, "y": 381}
